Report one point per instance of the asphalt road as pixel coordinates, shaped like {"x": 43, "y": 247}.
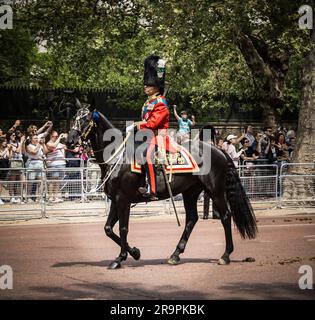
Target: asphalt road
{"x": 68, "y": 261}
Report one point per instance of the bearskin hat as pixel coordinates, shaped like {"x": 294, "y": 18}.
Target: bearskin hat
{"x": 154, "y": 72}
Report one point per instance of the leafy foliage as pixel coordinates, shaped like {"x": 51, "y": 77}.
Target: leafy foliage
{"x": 102, "y": 44}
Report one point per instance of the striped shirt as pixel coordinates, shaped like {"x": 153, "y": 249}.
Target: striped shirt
{"x": 56, "y": 157}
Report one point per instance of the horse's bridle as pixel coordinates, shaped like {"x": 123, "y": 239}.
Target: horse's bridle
{"x": 83, "y": 113}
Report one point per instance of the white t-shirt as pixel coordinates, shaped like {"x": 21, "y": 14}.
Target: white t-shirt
{"x": 38, "y": 156}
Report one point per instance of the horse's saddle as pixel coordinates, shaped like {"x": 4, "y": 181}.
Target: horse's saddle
{"x": 176, "y": 160}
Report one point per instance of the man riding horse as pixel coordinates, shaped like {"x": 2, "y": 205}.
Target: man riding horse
{"x": 155, "y": 117}
{"x": 124, "y": 187}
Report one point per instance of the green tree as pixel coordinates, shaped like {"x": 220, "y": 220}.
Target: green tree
{"x": 264, "y": 33}
{"x": 217, "y": 51}
{"x": 17, "y": 55}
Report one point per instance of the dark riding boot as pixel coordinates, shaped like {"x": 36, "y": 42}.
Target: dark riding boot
{"x": 148, "y": 191}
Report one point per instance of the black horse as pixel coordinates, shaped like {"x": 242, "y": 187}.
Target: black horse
{"x": 222, "y": 183}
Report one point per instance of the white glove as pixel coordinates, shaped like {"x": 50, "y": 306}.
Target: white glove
{"x": 130, "y": 128}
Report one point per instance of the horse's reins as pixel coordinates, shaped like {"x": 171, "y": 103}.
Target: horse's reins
{"x": 119, "y": 152}
{"x": 120, "y": 149}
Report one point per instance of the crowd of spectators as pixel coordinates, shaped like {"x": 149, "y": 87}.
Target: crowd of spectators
{"x": 265, "y": 146}
{"x": 262, "y": 147}
{"x": 250, "y": 148}
{"x": 36, "y": 149}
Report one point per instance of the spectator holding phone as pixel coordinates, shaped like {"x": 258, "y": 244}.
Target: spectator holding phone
{"x": 283, "y": 146}
{"x": 5, "y": 156}
{"x": 272, "y": 151}
{"x": 36, "y": 151}
{"x": 16, "y": 163}
{"x": 248, "y": 154}
{"x": 56, "y": 163}
{"x": 229, "y": 147}
{"x": 42, "y": 132}
{"x": 249, "y": 135}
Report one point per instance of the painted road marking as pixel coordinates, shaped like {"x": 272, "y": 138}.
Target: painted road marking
{"x": 310, "y": 236}
{"x": 310, "y": 240}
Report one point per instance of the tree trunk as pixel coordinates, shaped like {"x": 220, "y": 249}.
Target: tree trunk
{"x": 305, "y": 142}
{"x": 271, "y": 70}
{"x": 270, "y": 115}
{"x": 299, "y": 185}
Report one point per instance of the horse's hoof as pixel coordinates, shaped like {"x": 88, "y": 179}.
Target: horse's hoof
{"x": 173, "y": 261}
{"x": 224, "y": 261}
{"x": 135, "y": 253}
{"x": 114, "y": 265}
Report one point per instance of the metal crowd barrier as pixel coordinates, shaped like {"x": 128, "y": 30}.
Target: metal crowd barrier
{"x": 35, "y": 193}
{"x": 260, "y": 181}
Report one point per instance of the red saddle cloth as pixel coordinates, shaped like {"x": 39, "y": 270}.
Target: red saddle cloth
{"x": 176, "y": 158}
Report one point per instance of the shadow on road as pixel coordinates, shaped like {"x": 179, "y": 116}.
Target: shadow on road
{"x": 130, "y": 291}
{"x": 132, "y": 263}
{"x": 109, "y": 290}
{"x": 272, "y": 291}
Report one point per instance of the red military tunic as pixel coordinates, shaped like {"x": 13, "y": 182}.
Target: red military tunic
{"x": 156, "y": 114}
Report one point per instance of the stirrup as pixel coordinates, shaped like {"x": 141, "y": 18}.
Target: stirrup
{"x": 147, "y": 194}
{"x": 144, "y": 191}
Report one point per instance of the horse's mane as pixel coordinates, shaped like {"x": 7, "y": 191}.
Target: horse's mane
{"x": 105, "y": 121}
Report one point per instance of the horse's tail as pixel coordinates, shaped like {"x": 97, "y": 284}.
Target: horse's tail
{"x": 240, "y": 207}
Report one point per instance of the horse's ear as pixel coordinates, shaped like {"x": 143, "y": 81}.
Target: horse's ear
{"x": 78, "y": 103}
{"x": 212, "y": 132}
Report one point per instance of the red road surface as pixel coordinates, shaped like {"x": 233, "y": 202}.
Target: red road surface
{"x": 68, "y": 261}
